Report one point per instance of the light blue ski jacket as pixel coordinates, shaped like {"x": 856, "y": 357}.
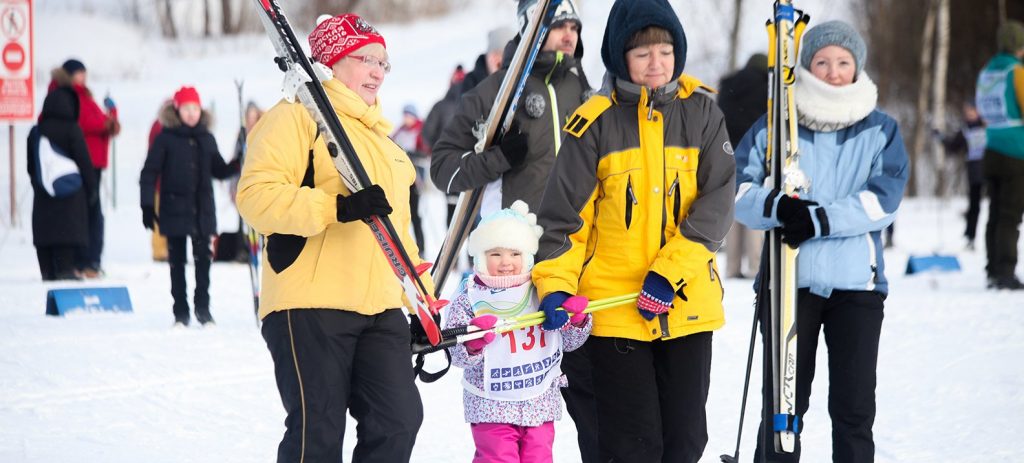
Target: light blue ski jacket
{"x": 857, "y": 176}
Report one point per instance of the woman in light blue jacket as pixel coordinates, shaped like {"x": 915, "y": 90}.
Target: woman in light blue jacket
{"x": 854, "y": 157}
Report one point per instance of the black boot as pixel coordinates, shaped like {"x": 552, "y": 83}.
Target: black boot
{"x": 203, "y": 316}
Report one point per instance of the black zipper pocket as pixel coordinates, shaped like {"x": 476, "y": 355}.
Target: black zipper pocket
{"x": 713, "y": 273}
{"x": 630, "y": 201}
{"x": 676, "y": 201}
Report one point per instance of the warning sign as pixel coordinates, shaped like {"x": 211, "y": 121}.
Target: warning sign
{"x": 17, "y": 77}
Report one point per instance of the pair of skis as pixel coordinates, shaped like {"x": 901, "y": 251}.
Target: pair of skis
{"x": 500, "y": 117}
{"x": 780, "y": 289}
{"x": 303, "y": 80}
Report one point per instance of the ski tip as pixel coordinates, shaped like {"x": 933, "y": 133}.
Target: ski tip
{"x": 429, "y": 326}
{"x": 422, "y": 268}
{"x": 437, "y": 305}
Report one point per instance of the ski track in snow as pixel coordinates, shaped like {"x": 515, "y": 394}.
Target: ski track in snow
{"x": 102, "y": 387}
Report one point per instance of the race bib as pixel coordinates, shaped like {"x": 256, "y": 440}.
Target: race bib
{"x": 520, "y": 364}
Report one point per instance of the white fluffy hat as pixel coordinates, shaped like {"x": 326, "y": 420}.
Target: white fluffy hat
{"x": 512, "y": 228}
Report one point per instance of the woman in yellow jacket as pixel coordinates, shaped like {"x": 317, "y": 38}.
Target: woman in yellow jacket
{"x": 330, "y": 304}
{"x": 640, "y": 199}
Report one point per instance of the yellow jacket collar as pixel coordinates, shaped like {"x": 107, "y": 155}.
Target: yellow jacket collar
{"x": 689, "y": 84}
{"x": 349, "y": 103}
{"x": 627, "y": 92}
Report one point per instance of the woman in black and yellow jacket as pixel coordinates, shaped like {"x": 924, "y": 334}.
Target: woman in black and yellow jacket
{"x": 640, "y": 199}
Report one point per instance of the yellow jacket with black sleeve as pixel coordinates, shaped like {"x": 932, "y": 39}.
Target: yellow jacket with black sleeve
{"x": 644, "y": 182}
{"x": 287, "y": 191}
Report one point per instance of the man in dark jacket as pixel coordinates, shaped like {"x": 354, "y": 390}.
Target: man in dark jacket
{"x": 185, "y": 159}
{"x": 517, "y": 167}
{"x": 98, "y": 126}
{"x": 743, "y": 98}
{"x": 60, "y": 223}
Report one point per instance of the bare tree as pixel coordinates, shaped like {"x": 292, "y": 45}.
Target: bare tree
{"x": 227, "y": 26}
{"x": 167, "y": 20}
{"x": 920, "y": 124}
{"x": 734, "y": 37}
{"x": 939, "y": 93}
{"x": 206, "y": 18}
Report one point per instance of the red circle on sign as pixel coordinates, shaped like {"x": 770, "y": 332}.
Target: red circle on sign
{"x": 13, "y": 56}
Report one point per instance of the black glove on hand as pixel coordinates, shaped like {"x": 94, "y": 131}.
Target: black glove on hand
{"x": 791, "y": 209}
{"x": 149, "y": 217}
{"x": 363, "y": 204}
{"x": 514, "y": 144}
{"x": 795, "y": 233}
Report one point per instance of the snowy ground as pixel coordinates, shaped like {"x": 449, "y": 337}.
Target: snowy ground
{"x": 126, "y": 387}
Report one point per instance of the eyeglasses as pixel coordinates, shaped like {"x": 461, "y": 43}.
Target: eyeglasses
{"x": 372, "y": 61}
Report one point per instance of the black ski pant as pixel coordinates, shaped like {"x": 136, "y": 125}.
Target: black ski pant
{"x": 57, "y": 262}
{"x": 201, "y": 254}
{"x": 852, "y": 321}
{"x": 327, "y": 362}
{"x": 651, "y": 398}
{"x": 1004, "y": 176}
{"x": 975, "y": 184}
{"x": 417, "y": 222}
{"x": 579, "y": 402}
{"x": 89, "y": 257}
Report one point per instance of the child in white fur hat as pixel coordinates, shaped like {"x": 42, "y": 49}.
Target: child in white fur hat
{"x": 511, "y": 385}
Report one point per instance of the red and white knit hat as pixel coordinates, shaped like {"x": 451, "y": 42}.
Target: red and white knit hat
{"x": 335, "y": 37}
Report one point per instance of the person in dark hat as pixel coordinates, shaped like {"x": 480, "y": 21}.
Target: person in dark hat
{"x": 99, "y": 125}
{"x": 743, "y": 97}
{"x": 641, "y": 198}
{"x": 409, "y": 136}
{"x": 853, "y": 157}
{"x": 60, "y": 219}
{"x": 1000, "y": 101}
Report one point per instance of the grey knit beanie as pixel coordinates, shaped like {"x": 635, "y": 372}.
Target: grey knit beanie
{"x": 1010, "y": 36}
{"x": 833, "y": 33}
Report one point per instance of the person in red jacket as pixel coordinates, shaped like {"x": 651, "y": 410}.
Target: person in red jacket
{"x": 409, "y": 137}
{"x": 158, "y": 240}
{"x": 98, "y": 125}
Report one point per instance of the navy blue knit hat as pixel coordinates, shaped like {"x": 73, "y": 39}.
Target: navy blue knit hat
{"x": 626, "y": 18}
{"x": 72, "y": 66}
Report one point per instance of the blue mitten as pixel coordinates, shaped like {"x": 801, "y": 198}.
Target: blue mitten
{"x": 655, "y": 296}
{"x": 554, "y": 319}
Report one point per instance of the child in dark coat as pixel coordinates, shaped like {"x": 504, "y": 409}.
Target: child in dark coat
{"x": 185, "y": 159}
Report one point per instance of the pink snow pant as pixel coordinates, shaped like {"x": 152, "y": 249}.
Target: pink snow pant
{"x": 508, "y": 443}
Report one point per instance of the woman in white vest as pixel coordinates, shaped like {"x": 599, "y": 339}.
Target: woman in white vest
{"x": 511, "y": 384}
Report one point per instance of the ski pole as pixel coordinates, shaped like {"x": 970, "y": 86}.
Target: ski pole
{"x": 762, "y": 290}
{"x": 469, "y": 332}
{"x": 591, "y": 307}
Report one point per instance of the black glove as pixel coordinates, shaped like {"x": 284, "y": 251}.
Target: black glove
{"x": 514, "y": 144}
{"x": 795, "y": 233}
{"x": 149, "y": 217}
{"x": 791, "y": 209}
{"x": 363, "y": 204}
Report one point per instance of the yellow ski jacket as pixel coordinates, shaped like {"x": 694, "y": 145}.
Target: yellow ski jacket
{"x": 643, "y": 183}
{"x": 287, "y": 191}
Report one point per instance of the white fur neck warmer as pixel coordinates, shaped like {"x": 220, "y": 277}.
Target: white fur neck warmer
{"x": 826, "y": 108}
